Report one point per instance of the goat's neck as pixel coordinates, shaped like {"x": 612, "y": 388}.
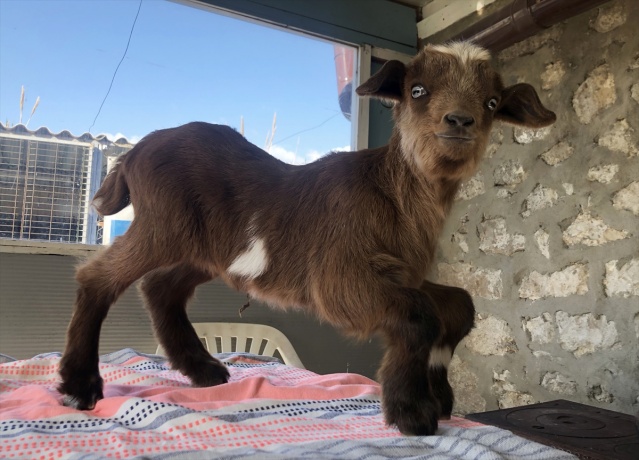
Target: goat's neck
{"x": 422, "y": 205}
{"x": 420, "y": 194}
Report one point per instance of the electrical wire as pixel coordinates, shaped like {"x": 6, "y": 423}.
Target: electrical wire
{"x": 118, "y": 67}
{"x": 308, "y": 129}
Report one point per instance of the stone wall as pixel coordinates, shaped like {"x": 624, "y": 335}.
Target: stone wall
{"x": 546, "y": 235}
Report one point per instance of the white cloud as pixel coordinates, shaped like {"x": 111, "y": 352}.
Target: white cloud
{"x": 290, "y": 157}
{"x": 286, "y": 156}
{"x": 346, "y": 148}
{"x": 115, "y": 137}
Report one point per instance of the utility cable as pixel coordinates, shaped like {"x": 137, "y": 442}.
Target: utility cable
{"x": 308, "y": 129}
{"x": 116, "y": 69}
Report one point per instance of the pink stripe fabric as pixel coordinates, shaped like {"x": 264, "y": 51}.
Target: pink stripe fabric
{"x": 149, "y": 409}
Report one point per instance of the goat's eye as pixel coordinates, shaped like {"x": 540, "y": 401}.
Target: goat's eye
{"x": 418, "y": 91}
{"x": 492, "y": 104}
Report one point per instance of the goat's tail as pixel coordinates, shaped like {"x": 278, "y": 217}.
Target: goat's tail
{"x": 113, "y": 195}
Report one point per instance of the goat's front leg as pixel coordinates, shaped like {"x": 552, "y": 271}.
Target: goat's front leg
{"x": 410, "y": 329}
{"x": 455, "y": 309}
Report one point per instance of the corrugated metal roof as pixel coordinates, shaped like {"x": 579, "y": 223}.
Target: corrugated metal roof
{"x": 44, "y": 132}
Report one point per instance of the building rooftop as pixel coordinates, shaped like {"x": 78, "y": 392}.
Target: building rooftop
{"x": 44, "y": 132}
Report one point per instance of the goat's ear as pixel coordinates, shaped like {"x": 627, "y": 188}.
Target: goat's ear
{"x": 387, "y": 83}
{"x": 520, "y": 105}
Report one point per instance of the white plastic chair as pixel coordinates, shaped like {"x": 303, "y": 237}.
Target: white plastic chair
{"x": 241, "y": 332}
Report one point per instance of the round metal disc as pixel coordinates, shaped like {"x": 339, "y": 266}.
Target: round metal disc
{"x": 571, "y": 423}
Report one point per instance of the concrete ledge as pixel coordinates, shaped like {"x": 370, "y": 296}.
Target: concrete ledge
{"x": 46, "y": 247}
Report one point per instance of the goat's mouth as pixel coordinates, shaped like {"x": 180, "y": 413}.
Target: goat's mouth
{"x": 455, "y": 136}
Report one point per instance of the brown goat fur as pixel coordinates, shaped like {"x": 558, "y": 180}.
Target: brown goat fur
{"x": 350, "y": 237}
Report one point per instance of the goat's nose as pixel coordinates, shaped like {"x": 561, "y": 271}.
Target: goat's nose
{"x": 460, "y": 119}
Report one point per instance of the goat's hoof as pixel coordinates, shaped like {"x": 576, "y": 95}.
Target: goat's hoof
{"x": 82, "y": 393}
{"x": 209, "y": 374}
{"x": 445, "y": 408}
{"x": 441, "y": 391}
{"x": 413, "y": 418}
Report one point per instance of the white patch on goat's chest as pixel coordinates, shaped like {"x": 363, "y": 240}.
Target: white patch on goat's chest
{"x": 440, "y": 356}
{"x": 251, "y": 263}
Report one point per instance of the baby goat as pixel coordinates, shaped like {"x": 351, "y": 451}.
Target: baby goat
{"x": 349, "y": 237}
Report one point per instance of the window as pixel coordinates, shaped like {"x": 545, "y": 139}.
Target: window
{"x": 287, "y": 93}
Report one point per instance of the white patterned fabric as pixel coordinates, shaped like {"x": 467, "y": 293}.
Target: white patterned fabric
{"x": 267, "y": 410}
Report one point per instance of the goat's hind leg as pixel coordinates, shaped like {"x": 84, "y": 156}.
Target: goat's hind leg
{"x": 410, "y": 329}
{"x": 456, "y": 311}
{"x": 166, "y": 292}
{"x": 101, "y": 281}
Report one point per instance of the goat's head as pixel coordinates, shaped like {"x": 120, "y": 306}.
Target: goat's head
{"x": 445, "y": 101}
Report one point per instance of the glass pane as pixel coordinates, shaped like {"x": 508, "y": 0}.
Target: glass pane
{"x": 127, "y": 70}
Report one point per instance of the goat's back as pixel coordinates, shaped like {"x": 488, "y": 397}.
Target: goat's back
{"x": 207, "y": 182}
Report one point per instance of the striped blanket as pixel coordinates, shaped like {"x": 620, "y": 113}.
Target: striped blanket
{"x": 267, "y": 410}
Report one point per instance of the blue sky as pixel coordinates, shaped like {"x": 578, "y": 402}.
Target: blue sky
{"x": 183, "y": 64}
